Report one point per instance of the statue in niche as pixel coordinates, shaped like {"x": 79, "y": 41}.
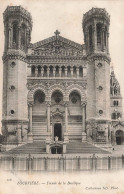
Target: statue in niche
{"x": 56, "y": 139}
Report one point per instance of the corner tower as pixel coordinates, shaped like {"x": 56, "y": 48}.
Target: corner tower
{"x": 17, "y": 30}
{"x": 96, "y": 34}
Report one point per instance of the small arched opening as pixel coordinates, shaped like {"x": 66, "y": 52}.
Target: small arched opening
{"x": 15, "y": 33}
{"x": 57, "y": 97}
{"x": 23, "y": 35}
{"x": 39, "y": 97}
{"x": 99, "y": 36}
{"x": 119, "y": 137}
{"x": 33, "y": 70}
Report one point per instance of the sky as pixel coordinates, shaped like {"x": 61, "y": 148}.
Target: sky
{"x": 66, "y": 16}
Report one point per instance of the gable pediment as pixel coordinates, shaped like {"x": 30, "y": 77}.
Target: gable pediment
{"x": 57, "y": 45}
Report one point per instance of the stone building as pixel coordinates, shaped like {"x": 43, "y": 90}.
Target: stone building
{"x": 57, "y": 91}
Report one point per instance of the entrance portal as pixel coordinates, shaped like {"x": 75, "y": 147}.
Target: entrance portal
{"x": 58, "y": 131}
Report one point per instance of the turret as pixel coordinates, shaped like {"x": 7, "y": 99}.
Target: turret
{"x": 17, "y": 28}
{"x": 96, "y": 32}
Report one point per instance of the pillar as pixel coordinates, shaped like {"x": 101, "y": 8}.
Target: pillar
{"x": 66, "y": 123}
{"x": 77, "y": 70}
{"x": 30, "y": 117}
{"x": 36, "y": 71}
{"x": 9, "y": 34}
{"x": 107, "y": 42}
{"x": 94, "y": 37}
{"x": 19, "y": 36}
{"x": 30, "y": 136}
{"x": 48, "y": 71}
{"x": 103, "y": 41}
{"x": 60, "y": 71}
{"x": 54, "y": 71}
{"x": 42, "y": 71}
{"x": 6, "y": 35}
{"x": 66, "y": 71}
{"x": 66, "y": 117}
{"x": 48, "y": 116}
{"x": 71, "y": 71}
{"x": 83, "y": 122}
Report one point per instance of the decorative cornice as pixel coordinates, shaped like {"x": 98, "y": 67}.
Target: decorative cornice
{"x": 16, "y": 121}
{"x": 39, "y": 59}
{"x": 99, "y": 56}
{"x": 13, "y": 57}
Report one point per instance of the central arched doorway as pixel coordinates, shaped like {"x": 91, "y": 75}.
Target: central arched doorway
{"x": 58, "y": 131}
{"x": 119, "y": 137}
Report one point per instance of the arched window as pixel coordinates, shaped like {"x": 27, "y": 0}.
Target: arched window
{"x": 39, "y": 97}
{"x": 57, "y": 97}
{"x": 23, "y": 35}
{"x": 119, "y": 137}
{"x": 75, "y": 98}
{"x": 90, "y": 37}
{"x": 81, "y": 71}
{"x": 39, "y": 70}
{"x": 118, "y": 115}
{"x": 33, "y": 70}
{"x": 114, "y": 116}
{"x": 115, "y": 102}
{"x": 15, "y": 31}
{"x": 99, "y": 34}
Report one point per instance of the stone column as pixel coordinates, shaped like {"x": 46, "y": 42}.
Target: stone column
{"x": 9, "y": 38}
{"x": 48, "y": 116}
{"x": 54, "y": 71}
{"x": 66, "y": 70}
{"x": 30, "y": 117}
{"x": 71, "y": 71}
{"x": 48, "y": 71}
{"x": 94, "y": 37}
{"x": 107, "y": 42}
{"x": 77, "y": 70}
{"x": 103, "y": 38}
{"x": 36, "y": 71}
{"x": 19, "y": 36}
{"x": 87, "y": 34}
{"x": 86, "y": 39}
{"x": 83, "y": 122}
{"x": 84, "y": 71}
{"x": 66, "y": 123}
{"x": 30, "y": 136}
{"x": 60, "y": 71}
{"x": 42, "y": 71}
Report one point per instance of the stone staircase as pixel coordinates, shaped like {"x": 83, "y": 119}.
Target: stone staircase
{"x": 39, "y": 129}
{"x": 73, "y": 147}
{"x": 29, "y": 148}
{"x": 84, "y": 148}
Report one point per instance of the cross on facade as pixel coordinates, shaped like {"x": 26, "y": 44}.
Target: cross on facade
{"x": 56, "y": 33}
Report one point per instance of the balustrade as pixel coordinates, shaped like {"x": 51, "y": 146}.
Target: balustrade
{"x": 57, "y": 71}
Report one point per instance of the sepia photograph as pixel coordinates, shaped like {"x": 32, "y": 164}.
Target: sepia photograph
{"x": 61, "y": 96}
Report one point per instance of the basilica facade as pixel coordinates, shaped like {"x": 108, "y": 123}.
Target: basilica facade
{"x": 57, "y": 91}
